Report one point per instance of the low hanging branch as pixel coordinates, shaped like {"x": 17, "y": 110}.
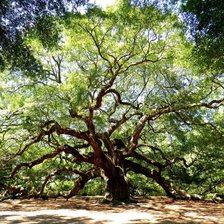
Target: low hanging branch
{"x": 56, "y": 173}
{"x": 66, "y": 148}
{"x": 37, "y": 161}
{"x": 171, "y": 190}
{"x": 11, "y": 192}
{"x": 82, "y": 180}
{"x": 153, "y": 174}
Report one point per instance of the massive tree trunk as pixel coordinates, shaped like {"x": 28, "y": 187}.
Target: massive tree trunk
{"x": 117, "y": 187}
{"x": 113, "y": 172}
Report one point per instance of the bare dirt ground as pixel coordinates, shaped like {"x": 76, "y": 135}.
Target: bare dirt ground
{"x": 91, "y": 211}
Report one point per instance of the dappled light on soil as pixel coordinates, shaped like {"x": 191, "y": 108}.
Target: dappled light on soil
{"x": 87, "y": 211}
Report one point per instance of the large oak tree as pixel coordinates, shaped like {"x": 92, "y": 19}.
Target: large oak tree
{"x": 118, "y": 95}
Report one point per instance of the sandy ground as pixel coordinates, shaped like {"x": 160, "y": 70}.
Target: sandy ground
{"x": 90, "y": 210}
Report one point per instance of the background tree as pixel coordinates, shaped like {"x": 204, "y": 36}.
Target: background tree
{"x": 120, "y": 97}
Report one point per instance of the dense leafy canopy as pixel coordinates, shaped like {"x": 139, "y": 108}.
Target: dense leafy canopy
{"x": 205, "y": 20}
{"x": 17, "y": 17}
{"x": 118, "y": 99}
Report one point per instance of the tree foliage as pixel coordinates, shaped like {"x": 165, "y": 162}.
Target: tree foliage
{"x": 17, "y": 18}
{"x": 206, "y": 21}
{"x": 118, "y": 98}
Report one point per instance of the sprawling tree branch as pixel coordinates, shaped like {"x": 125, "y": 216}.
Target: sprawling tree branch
{"x": 82, "y": 180}
{"x": 119, "y": 100}
{"x": 37, "y": 161}
{"x": 58, "y": 172}
{"x": 168, "y": 162}
{"x": 155, "y": 175}
{"x": 66, "y": 148}
{"x": 166, "y": 110}
{"x": 149, "y": 160}
{"x": 73, "y": 151}
{"x": 136, "y": 134}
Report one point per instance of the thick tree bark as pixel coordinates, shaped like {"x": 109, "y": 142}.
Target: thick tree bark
{"x": 117, "y": 187}
{"x": 112, "y": 170}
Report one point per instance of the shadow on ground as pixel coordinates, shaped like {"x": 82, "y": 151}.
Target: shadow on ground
{"x": 91, "y": 211}
{"x": 44, "y": 219}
